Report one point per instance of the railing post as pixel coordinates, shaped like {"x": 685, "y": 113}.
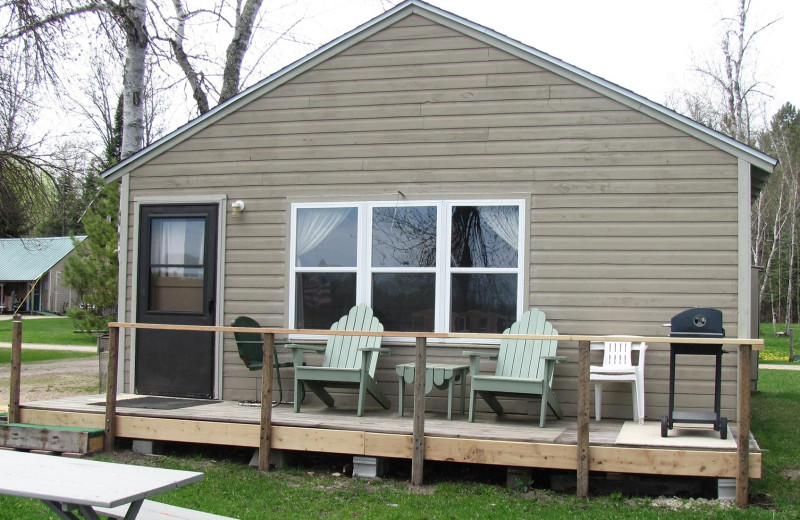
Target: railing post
{"x": 743, "y": 430}
{"x": 418, "y": 448}
{"x": 583, "y": 419}
{"x": 111, "y": 389}
{"x": 16, "y": 369}
{"x": 267, "y": 360}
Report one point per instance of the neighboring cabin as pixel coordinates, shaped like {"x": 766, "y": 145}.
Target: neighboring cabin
{"x": 35, "y": 267}
{"x": 451, "y": 178}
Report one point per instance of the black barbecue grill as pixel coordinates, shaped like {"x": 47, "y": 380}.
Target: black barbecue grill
{"x": 699, "y": 322}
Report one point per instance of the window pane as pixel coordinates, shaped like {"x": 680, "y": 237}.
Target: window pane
{"x": 177, "y": 241}
{"x": 326, "y": 237}
{"x": 176, "y": 289}
{"x": 323, "y": 298}
{"x": 485, "y": 236}
{"x": 405, "y": 301}
{"x": 482, "y": 302}
{"x": 404, "y": 236}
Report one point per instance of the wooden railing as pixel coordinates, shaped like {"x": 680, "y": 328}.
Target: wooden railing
{"x": 744, "y": 345}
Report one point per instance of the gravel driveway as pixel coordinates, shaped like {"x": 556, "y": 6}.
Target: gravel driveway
{"x": 52, "y": 379}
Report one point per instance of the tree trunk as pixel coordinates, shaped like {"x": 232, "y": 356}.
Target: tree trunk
{"x": 133, "y": 23}
{"x": 199, "y": 95}
{"x": 237, "y": 49}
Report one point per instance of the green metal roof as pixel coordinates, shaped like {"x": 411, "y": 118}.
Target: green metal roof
{"x": 26, "y": 259}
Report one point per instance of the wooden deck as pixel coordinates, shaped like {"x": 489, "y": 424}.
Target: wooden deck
{"x": 509, "y": 440}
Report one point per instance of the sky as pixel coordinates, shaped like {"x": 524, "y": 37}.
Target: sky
{"x": 647, "y": 46}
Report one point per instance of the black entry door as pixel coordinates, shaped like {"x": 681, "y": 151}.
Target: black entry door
{"x": 176, "y": 285}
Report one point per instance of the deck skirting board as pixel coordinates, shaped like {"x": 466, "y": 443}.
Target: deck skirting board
{"x": 391, "y": 440}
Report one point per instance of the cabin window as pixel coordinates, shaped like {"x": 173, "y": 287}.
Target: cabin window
{"x": 444, "y": 266}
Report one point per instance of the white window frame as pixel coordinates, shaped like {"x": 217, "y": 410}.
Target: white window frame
{"x": 443, "y": 269}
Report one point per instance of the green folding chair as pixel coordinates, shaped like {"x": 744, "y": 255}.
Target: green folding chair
{"x": 251, "y": 350}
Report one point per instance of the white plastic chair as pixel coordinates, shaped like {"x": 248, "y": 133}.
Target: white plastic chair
{"x": 618, "y": 367}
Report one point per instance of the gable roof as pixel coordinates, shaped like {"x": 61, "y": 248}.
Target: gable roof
{"x": 762, "y": 164}
{"x": 26, "y": 259}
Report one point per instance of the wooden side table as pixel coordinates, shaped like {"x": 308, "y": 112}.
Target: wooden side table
{"x": 440, "y": 375}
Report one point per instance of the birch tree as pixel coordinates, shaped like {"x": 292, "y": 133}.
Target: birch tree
{"x": 199, "y": 68}
{"x": 41, "y": 25}
{"x": 783, "y": 141}
{"x": 730, "y": 96}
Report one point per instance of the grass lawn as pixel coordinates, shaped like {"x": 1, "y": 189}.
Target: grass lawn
{"x": 776, "y": 348}
{"x": 49, "y": 331}
{"x": 318, "y": 491}
{"x": 776, "y": 426}
{"x": 31, "y": 356}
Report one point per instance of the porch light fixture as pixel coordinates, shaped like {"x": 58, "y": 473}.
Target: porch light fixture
{"x": 238, "y": 207}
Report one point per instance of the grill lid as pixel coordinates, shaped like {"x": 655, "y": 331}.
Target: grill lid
{"x": 697, "y": 322}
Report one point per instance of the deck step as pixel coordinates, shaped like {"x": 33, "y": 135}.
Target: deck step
{"x": 157, "y": 511}
{"x": 60, "y": 439}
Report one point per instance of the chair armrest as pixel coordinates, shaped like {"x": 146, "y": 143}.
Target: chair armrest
{"x": 642, "y": 349}
{"x": 298, "y": 350}
{"x": 382, "y": 350}
{"x": 558, "y": 359}
{"x": 487, "y": 355}
{"x": 475, "y": 360}
{"x": 298, "y": 346}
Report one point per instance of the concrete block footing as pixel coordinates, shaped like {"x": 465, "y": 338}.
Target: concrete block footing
{"x": 277, "y": 458}
{"x": 726, "y": 488}
{"x": 368, "y": 467}
{"x": 147, "y": 447}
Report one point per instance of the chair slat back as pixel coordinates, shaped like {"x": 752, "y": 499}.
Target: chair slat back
{"x": 523, "y": 358}
{"x": 249, "y": 344}
{"x": 617, "y": 354}
{"x": 343, "y": 351}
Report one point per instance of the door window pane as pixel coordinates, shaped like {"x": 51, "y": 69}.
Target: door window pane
{"x": 323, "y": 298}
{"x": 326, "y": 237}
{"x": 483, "y": 302}
{"x": 404, "y": 236}
{"x": 176, "y": 264}
{"x": 176, "y": 289}
{"x": 177, "y": 241}
{"x": 485, "y": 236}
{"x": 405, "y": 301}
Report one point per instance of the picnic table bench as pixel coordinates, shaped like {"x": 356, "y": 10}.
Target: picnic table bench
{"x": 157, "y": 511}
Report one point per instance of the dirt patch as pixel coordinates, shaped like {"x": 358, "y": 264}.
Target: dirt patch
{"x": 52, "y": 380}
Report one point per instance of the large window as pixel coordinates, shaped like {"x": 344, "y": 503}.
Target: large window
{"x": 445, "y": 266}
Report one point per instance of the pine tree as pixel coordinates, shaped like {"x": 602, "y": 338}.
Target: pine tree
{"x": 92, "y": 271}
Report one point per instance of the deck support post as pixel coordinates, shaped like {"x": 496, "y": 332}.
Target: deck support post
{"x": 16, "y": 369}
{"x": 743, "y": 429}
{"x": 266, "y": 402}
{"x": 583, "y": 419}
{"x": 418, "y": 448}
{"x": 110, "y": 435}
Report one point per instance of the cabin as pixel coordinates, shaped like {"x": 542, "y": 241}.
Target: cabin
{"x": 451, "y": 178}
{"x": 32, "y": 274}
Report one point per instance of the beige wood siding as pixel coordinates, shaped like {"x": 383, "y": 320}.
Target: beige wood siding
{"x": 631, "y": 220}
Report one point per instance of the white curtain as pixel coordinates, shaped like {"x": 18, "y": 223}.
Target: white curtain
{"x": 314, "y": 225}
{"x": 504, "y": 220}
{"x": 176, "y": 241}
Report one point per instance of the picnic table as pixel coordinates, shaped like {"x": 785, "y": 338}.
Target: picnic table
{"x": 71, "y": 486}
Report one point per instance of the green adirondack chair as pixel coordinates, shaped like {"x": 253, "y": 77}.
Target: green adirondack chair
{"x": 349, "y": 361}
{"x": 524, "y": 368}
{"x": 251, "y": 351}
